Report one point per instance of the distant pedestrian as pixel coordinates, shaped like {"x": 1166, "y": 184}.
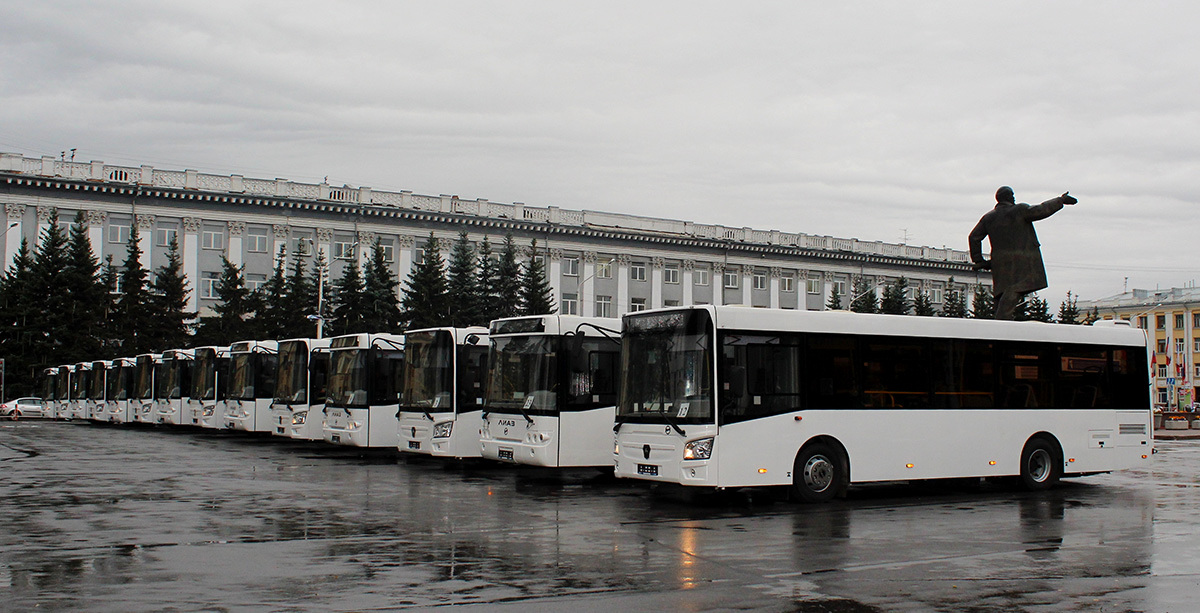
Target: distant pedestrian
{"x": 1016, "y": 263}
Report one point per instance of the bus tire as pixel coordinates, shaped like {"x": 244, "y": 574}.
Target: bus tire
{"x": 820, "y": 472}
{"x": 1041, "y": 464}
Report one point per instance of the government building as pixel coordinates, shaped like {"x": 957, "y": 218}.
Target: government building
{"x": 598, "y": 264}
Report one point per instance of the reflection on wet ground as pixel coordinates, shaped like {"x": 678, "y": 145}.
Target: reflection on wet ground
{"x": 117, "y": 519}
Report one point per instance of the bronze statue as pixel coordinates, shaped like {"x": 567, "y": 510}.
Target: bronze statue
{"x": 1016, "y": 262}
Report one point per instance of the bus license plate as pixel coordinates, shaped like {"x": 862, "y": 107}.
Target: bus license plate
{"x": 414, "y": 444}
{"x": 649, "y": 470}
{"x": 506, "y": 454}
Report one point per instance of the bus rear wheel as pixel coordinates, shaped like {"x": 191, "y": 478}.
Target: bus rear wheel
{"x": 820, "y": 472}
{"x": 1041, "y": 465}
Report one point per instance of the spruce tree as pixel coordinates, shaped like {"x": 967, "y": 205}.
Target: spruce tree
{"x": 1035, "y": 309}
{"x": 1092, "y": 316}
{"x": 348, "y": 301}
{"x": 537, "y": 298}
{"x": 923, "y": 305}
{"x": 865, "y": 300}
{"x": 270, "y": 319}
{"x": 299, "y": 300}
{"x": 232, "y": 312}
{"x": 486, "y": 282}
{"x": 87, "y": 295}
{"x": 1068, "y": 311}
{"x": 379, "y": 293}
{"x": 982, "y": 304}
{"x": 508, "y": 281}
{"x": 955, "y": 304}
{"x": 111, "y": 342}
{"x": 895, "y": 298}
{"x": 17, "y": 306}
{"x": 133, "y": 315}
{"x": 51, "y": 335}
{"x": 168, "y": 299}
{"x": 462, "y": 286}
{"x": 425, "y": 304}
{"x": 835, "y": 300}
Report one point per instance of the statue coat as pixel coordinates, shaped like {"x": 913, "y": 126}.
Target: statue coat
{"x": 1016, "y": 253}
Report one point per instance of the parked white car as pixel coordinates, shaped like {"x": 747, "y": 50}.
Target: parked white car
{"x": 29, "y": 406}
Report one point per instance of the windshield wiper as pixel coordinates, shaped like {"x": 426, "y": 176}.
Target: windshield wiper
{"x": 618, "y": 422}
{"x": 674, "y": 424}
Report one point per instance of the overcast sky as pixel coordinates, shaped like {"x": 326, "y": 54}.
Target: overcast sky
{"x": 881, "y": 121}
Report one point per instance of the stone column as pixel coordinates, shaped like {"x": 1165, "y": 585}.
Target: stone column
{"x": 689, "y": 281}
{"x": 95, "y": 222}
{"x": 827, "y": 291}
{"x": 622, "y": 301}
{"x": 366, "y": 242}
{"x": 404, "y": 257}
{"x": 280, "y": 232}
{"x": 656, "y": 282}
{"x": 717, "y": 279}
{"x": 324, "y": 244}
{"x": 234, "y": 250}
{"x": 13, "y": 213}
{"x": 145, "y": 226}
{"x": 44, "y": 214}
{"x": 747, "y": 284}
{"x": 776, "y": 273}
{"x": 587, "y": 294}
{"x": 554, "y": 276}
{"x": 189, "y": 245}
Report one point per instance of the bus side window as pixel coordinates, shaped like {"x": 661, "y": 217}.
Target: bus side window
{"x": 1025, "y": 381}
{"x": 830, "y": 372}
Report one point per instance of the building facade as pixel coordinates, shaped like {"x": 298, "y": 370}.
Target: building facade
{"x": 1171, "y": 318}
{"x": 598, "y": 264}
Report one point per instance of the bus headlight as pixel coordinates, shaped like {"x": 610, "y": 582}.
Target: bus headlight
{"x": 699, "y": 449}
{"x": 443, "y": 429}
{"x": 298, "y": 418}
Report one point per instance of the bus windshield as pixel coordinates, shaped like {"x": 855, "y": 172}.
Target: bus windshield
{"x": 162, "y": 378}
{"x": 96, "y": 385}
{"x": 429, "y": 371}
{"x": 292, "y": 387}
{"x": 49, "y": 378}
{"x": 204, "y": 375}
{"x": 523, "y": 375}
{"x": 79, "y": 384}
{"x": 348, "y": 378}
{"x": 117, "y": 386}
{"x": 667, "y": 368}
{"x": 176, "y": 378}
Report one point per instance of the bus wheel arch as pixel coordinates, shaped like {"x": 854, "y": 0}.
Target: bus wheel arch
{"x": 821, "y": 471}
{"x": 1041, "y": 462}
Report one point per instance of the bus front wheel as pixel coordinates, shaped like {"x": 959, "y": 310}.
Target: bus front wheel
{"x": 820, "y": 472}
{"x": 1041, "y": 464}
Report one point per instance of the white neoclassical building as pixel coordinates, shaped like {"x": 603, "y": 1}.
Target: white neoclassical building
{"x": 598, "y": 263}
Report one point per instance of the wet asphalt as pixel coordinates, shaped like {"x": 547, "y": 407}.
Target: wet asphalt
{"x": 117, "y": 518}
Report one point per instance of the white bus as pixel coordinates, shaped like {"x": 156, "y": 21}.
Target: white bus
{"x": 118, "y": 384}
{"x": 175, "y": 384}
{"x": 97, "y": 386}
{"x": 253, "y": 366}
{"x": 50, "y": 391}
{"x": 730, "y": 397}
{"x": 364, "y": 390}
{"x": 551, "y": 391}
{"x": 205, "y": 406}
{"x": 442, "y": 409}
{"x": 146, "y": 375}
{"x": 80, "y": 378}
{"x": 300, "y": 390}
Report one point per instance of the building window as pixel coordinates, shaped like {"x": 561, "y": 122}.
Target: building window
{"x": 1196, "y": 371}
{"x": 569, "y": 304}
{"x": 570, "y": 267}
{"x": 604, "y": 269}
{"x": 935, "y": 295}
{"x": 637, "y": 271}
{"x": 604, "y": 306}
{"x": 759, "y": 279}
{"x": 302, "y": 245}
{"x": 1162, "y": 395}
{"x": 344, "y": 250}
{"x": 388, "y": 250}
{"x": 670, "y": 303}
{"x": 701, "y": 276}
{"x": 118, "y": 288}
{"x": 787, "y": 283}
{"x": 1162, "y": 371}
{"x": 163, "y": 237}
{"x": 208, "y": 284}
{"x": 731, "y": 278}
{"x": 1196, "y": 320}
{"x": 1180, "y": 346}
{"x": 1143, "y": 322}
{"x": 255, "y": 282}
{"x": 671, "y": 275}
{"x": 419, "y": 256}
{"x": 840, "y": 286}
{"x": 813, "y": 285}
{"x": 118, "y": 233}
{"x": 256, "y": 241}
{"x": 1196, "y": 345}
{"x": 1179, "y": 321}
{"x": 1160, "y": 322}
{"x": 1162, "y": 345}
{"x": 637, "y": 304}
{"x": 212, "y": 239}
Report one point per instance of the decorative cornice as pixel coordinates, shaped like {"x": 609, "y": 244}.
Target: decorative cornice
{"x": 281, "y": 230}
{"x": 145, "y": 222}
{"x": 97, "y": 218}
{"x": 14, "y": 211}
{"x": 192, "y": 225}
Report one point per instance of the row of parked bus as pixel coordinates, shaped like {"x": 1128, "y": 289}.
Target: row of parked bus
{"x": 711, "y": 396}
